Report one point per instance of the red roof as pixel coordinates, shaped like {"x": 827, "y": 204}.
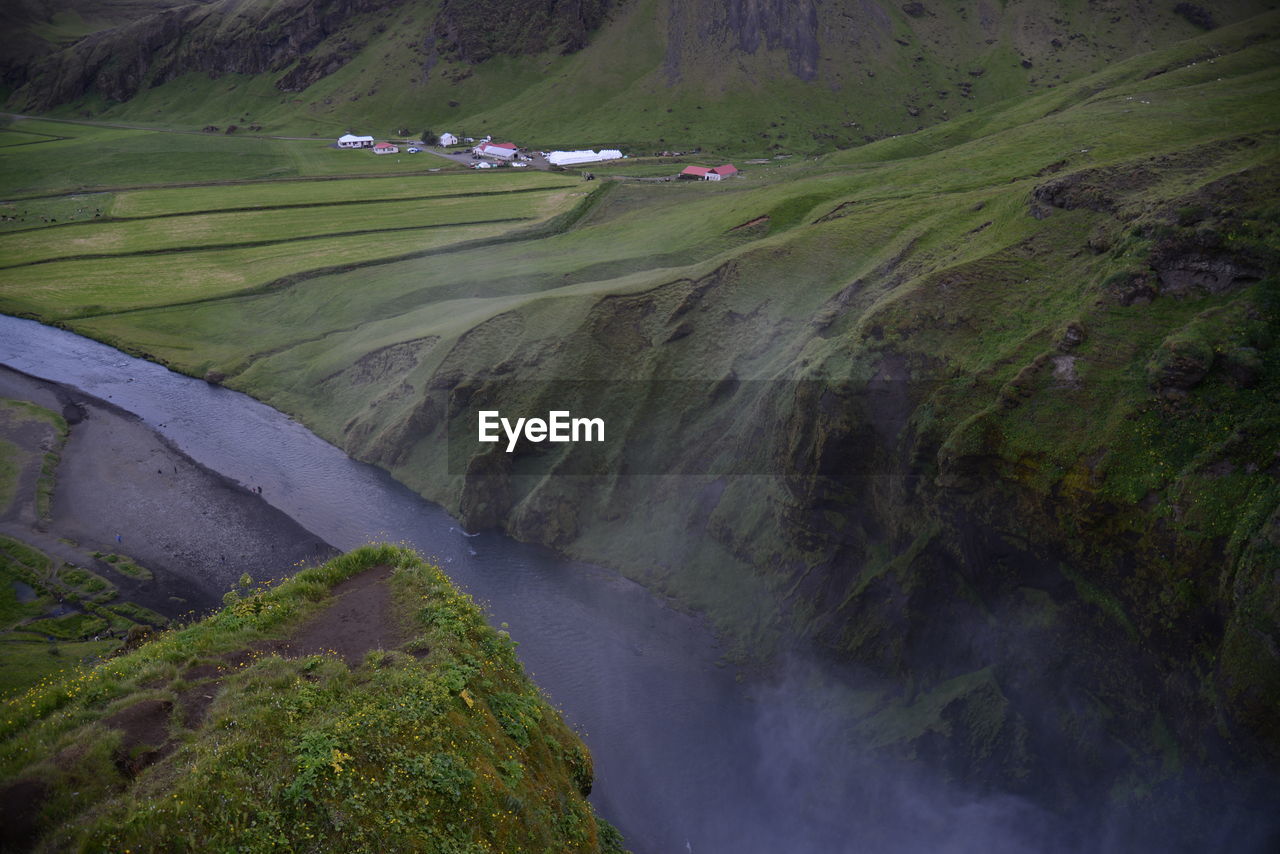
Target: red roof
{"x": 510, "y": 145}
{"x": 384, "y": 145}
{"x": 699, "y": 171}
{"x": 726, "y": 169}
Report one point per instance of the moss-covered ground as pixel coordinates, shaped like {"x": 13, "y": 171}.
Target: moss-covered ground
{"x": 213, "y": 735}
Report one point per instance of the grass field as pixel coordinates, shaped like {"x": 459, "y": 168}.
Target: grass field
{"x": 168, "y": 233}
{"x": 9, "y": 137}
{"x": 91, "y": 157}
{"x": 77, "y": 288}
{"x": 275, "y": 194}
{"x": 170, "y": 245}
{"x": 29, "y": 661}
{"x": 34, "y": 647}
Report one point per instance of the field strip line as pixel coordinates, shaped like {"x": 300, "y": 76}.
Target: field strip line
{"x": 246, "y": 182}
{"x": 210, "y": 211}
{"x": 213, "y": 247}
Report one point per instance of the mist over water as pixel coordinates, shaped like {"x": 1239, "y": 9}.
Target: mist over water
{"x": 687, "y": 758}
{"x": 830, "y": 793}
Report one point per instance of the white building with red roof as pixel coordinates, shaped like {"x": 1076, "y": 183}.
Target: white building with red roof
{"x": 385, "y": 148}
{"x": 706, "y": 173}
{"x": 500, "y": 150}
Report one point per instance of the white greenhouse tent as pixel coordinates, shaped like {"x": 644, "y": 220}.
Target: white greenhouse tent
{"x": 572, "y": 158}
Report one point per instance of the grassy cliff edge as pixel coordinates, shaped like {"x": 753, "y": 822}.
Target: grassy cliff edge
{"x": 263, "y": 728}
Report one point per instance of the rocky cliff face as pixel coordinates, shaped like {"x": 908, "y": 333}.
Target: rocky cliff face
{"x": 219, "y": 38}
{"x": 746, "y": 27}
{"x": 307, "y": 41}
{"x": 473, "y": 32}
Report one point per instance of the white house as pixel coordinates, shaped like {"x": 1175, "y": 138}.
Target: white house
{"x": 447, "y": 139}
{"x": 573, "y": 158}
{"x": 351, "y": 141}
{"x": 500, "y": 150}
{"x": 385, "y": 148}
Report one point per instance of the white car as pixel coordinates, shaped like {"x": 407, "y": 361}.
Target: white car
{"x": 516, "y": 165}
{"x": 414, "y": 150}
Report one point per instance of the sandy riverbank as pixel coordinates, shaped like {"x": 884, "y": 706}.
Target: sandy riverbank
{"x": 195, "y": 529}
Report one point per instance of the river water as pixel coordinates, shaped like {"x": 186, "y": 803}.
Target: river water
{"x": 687, "y": 757}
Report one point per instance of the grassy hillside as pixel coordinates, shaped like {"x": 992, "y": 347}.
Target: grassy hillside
{"x": 1004, "y": 389}
{"x": 269, "y": 726}
{"x": 646, "y": 75}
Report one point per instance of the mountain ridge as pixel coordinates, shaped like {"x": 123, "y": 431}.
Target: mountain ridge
{"x": 741, "y": 75}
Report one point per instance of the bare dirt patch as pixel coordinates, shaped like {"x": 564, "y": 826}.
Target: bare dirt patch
{"x": 359, "y": 620}
{"x": 194, "y": 703}
{"x": 20, "y": 803}
{"x": 145, "y": 734}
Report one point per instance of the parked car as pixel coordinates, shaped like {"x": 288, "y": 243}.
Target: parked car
{"x": 414, "y": 150}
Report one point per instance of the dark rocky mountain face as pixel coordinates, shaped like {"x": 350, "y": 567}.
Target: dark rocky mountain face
{"x": 474, "y": 32}
{"x": 316, "y": 39}
{"x": 228, "y": 37}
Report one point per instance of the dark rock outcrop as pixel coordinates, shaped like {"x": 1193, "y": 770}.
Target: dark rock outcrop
{"x": 472, "y": 32}
{"x": 220, "y": 38}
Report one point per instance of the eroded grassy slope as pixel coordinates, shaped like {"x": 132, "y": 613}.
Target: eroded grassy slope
{"x": 225, "y": 733}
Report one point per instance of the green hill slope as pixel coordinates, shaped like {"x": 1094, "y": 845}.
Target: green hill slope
{"x": 273, "y": 725}
{"x": 646, "y": 74}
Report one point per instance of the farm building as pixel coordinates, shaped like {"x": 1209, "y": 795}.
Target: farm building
{"x": 448, "y": 139}
{"x": 573, "y": 158}
{"x": 385, "y": 148}
{"x": 501, "y": 150}
{"x": 705, "y": 173}
{"x": 351, "y": 141}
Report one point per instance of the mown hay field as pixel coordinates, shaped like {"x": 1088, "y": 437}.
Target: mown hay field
{"x": 231, "y": 229}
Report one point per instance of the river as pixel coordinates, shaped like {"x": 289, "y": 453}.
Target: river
{"x": 688, "y": 756}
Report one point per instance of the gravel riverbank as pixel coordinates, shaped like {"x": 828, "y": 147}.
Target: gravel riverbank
{"x": 121, "y": 488}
